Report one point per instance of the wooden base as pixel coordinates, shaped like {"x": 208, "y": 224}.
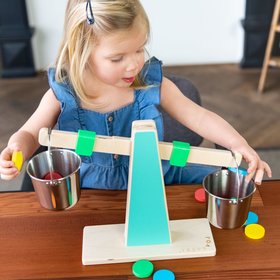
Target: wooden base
{"x": 104, "y": 244}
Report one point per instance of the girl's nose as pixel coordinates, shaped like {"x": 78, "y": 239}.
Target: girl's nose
{"x": 132, "y": 64}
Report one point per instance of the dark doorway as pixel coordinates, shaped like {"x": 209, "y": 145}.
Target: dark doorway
{"x": 16, "y": 55}
{"x": 256, "y": 25}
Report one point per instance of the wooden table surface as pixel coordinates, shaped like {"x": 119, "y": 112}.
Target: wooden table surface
{"x": 41, "y": 244}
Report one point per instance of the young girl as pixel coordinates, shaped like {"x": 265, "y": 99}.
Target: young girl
{"x": 102, "y": 83}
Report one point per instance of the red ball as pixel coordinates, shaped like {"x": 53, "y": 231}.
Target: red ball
{"x": 52, "y": 176}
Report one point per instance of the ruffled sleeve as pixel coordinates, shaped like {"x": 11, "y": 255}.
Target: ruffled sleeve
{"x": 69, "y": 118}
{"x": 152, "y": 72}
{"x": 62, "y": 91}
{"x": 149, "y": 97}
{"x": 152, "y": 76}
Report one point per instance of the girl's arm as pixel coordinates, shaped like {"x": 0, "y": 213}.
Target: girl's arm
{"x": 210, "y": 126}
{"x": 26, "y": 138}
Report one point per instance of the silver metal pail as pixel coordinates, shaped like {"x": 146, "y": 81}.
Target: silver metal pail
{"x": 56, "y": 194}
{"x": 223, "y": 208}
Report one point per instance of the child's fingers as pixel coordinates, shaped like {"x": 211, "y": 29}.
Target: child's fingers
{"x": 8, "y": 173}
{"x": 259, "y": 176}
{"x": 267, "y": 169}
{"x": 8, "y": 170}
{"x": 249, "y": 177}
{"x": 259, "y": 173}
{"x": 6, "y": 163}
{"x": 9, "y": 177}
{"x": 263, "y": 167}
{"x": 256, "y": 167}
{"x": 252, "y": 163}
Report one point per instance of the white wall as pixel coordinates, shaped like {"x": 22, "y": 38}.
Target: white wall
{"x": 47, "y": 17}
{"x": 196, "y": 31}
{"x": 183, "y": 31}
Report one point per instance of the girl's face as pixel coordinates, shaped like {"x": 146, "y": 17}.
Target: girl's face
{"x": 119, "y": 57}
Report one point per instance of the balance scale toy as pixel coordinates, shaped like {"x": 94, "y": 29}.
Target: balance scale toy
{"x": 147, "y": 232}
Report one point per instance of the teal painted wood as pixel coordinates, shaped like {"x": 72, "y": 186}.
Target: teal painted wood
{"x": 148, "y": 221}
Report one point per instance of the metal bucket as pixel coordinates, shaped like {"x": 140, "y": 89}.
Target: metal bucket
{"x": 56, "y": 194}
{"x": 223, "y": 208}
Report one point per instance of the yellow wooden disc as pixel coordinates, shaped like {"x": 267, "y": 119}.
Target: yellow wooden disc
{"x": 17, "y": 159}
{"x": 254, "y": 231}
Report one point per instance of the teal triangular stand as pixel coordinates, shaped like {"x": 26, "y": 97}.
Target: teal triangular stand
{"x": 147, "y": 221}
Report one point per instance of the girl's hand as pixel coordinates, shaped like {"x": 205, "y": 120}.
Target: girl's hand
{"x": 8, "y": 169}
{"x": 256, "y": 166}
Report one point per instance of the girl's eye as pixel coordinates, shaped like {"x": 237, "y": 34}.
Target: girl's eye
{"x": 119, "y": 59}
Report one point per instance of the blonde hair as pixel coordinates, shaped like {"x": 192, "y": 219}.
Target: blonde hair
{"x": 80, "y": 38}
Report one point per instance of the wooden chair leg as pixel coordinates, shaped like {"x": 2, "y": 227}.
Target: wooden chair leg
{"x": 271, "y": 37}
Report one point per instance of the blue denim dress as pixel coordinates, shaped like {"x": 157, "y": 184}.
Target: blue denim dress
{"x": 107, "y": 171}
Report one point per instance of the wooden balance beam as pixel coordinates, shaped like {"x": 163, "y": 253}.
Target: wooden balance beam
{"x": 122, "y": 146}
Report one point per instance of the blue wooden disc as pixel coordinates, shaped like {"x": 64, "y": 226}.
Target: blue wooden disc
{"x": 164, "y": 274}
{"x": 252, "y": 218}
{"x": 241, "y": 170}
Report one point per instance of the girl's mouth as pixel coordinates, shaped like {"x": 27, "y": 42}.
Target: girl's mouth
{"x": 129, "y": 80}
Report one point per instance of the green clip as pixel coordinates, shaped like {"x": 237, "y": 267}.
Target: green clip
{"x": 85, "y": 142}
{"x": 180, "y": 153}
